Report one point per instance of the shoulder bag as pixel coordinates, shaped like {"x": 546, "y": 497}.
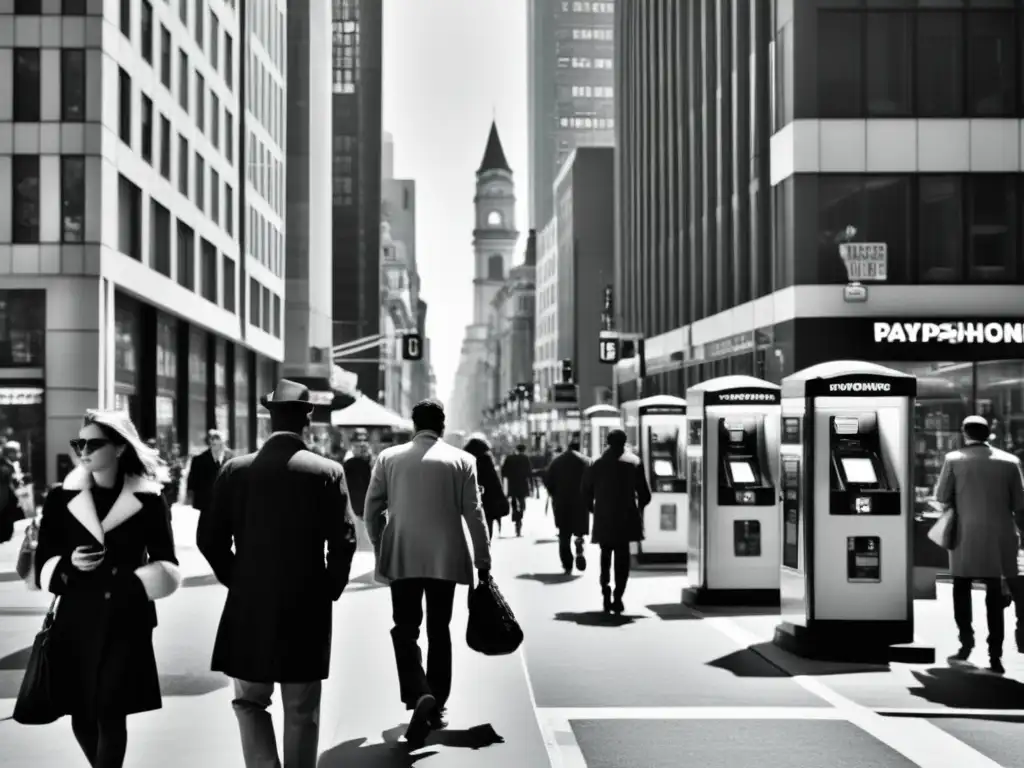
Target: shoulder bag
{"x": 37, "y": 702}
{"x": 944, "y": 532}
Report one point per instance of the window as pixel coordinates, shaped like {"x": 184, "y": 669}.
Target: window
{"x": 276, "y": 316}
{"x": 165, "y": 147}
{"x": 126, "y": 18}
{"x": 496, "y": 268}
{"x": 229, "y": 137}
{"x": 72, "y": 85}
{"x": 200, "y": 182}
{"x": 28, "y": 7}
{"x": 940, "y": 228}
{"x": 129, "y": 218}
{"x": 25, "y": 194}
{"x": 200, "y": 13}
{"x": 229, "y": 283}
{"x": 940, "y": 65}
{"x": 183, "y": 11}
{"x": 992, "y": 232}
{"x": 27, "y": 96}
{"x": 208, "y": 253}
{"x": 125, "y": 97}
{"x": 888, "y": 64}
{"x": 254, "y": 302}
{"x": 840, "y": 63}
{"x": 229, "y": 209}
{"x": 991, "y": 49}
{"x": 73, "y": 8}
{"x": 215, "y": 41}
{"x": 183, "y": 77}
{"x": 200, "y": 102}
{"x": 215, "y": 196}
{"x": 165, "y": 57}
{"x": 267, "y": 308}
{"x": 72, "y": 198}
{"x": 147, "y": 129}
{"x": 229, "y": 61}
{"x": 214, "y": 120}
{"x": 22, "y": 328}
{"x": 186, "y": 256}
{"x": 183, "y": 163}
{"x": 147, "y": 31}
{"x": 159, "y": 238}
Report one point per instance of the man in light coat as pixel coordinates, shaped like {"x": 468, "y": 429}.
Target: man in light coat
{"x": 419, "y": 494}
{"x": 986, "y": 487}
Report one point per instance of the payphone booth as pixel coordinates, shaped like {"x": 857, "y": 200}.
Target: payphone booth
{"x": 656, "y": 428}
{"x": 597, "y": 422}
{"x": 847, "y": 505}
{"x": 732, "y": 468}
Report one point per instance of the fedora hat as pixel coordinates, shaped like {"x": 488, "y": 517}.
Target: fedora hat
{"x": 287, "y": 393}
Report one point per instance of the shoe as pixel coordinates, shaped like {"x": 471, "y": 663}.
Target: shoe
{"x": 581, "y": 560}
{"x": 567, "y": 570}
{"x": 437, "y": 720}
{"x": 617, "y": 606}
{"x": 419, "y": 725}
{"x": 995, "y": 666}
{"x": 607, "y": 600}
{"x": 961, "y": 656}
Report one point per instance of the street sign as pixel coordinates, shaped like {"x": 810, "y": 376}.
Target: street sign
{"x": 865, "y": 262}
{"x": 608, "y": 348}
{"x": 412, "y": 347}
{"x": 565, "y": 394}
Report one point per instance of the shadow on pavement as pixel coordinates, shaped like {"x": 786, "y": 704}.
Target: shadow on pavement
{"x": 967, "y": 689}
{"x": 712, "y": 611}
{"x": 794, "y": 665}
{"x": 598, "y": 618}
{"x": 8, "y": 576}
{"x": 673, "y": 612}
{"x": 546, "y": 541}
{"x": 746, "y": 663}
{"x": 549, "y": 579}
{"x": 654, "y": 573}
{"x": 392, "y": 754}
{"x": 206, "y": 580}
{"x": 30, "y": 610}
{"x": 196, "y": 684}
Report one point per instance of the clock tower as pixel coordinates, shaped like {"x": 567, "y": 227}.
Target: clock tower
{"x": 495, "y": 235}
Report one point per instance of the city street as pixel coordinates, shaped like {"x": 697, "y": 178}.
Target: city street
{"x": 660, "y": 687}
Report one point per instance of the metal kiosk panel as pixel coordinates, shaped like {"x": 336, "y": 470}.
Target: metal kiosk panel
{"x": 733, "y": 472}
{"x": 596, "y": 422}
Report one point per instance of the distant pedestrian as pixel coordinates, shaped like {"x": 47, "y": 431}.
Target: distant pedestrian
{"x": 985, "y": 487}
{"x": 272, "y": 514}
{"x": 205, "y": 467}
{"x": 420, "y": 493}
{"x": 563, "y": 480}
{"x": 615, "y": 488}
{"x": 106, "y": 548}
{"x": 358, "y": 467}
{"x": 494, "y": 500}
{"x": 518, "y": 473}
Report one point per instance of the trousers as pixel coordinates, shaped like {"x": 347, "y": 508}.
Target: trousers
{"x": 301, "y": 702}
{"x": 621, "y": 555}
{"x": 407, "y": 598}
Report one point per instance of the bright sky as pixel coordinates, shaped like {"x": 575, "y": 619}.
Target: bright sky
{"x": 450, "y": 67}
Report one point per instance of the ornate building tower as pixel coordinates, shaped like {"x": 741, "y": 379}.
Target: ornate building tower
{"x": 495, "y": 235}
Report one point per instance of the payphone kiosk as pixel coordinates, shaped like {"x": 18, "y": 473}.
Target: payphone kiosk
{"x": 656, "y": 428}
{"x": 732, "y": 468}
{"x": 597, "y": 422}
{"x": 847, "y": 504}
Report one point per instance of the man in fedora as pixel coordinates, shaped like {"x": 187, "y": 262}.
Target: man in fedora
{"x": 279, "y": 507}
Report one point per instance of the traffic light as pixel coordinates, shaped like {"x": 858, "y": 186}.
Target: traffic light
{"x": 567, "y": 372}
{"x": 412, "y": 347}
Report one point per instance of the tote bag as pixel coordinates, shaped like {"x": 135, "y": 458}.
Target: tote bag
{"x": 944, "y": 531}
{"x": 492, "y": 628}
{"x": 37, "y": 702}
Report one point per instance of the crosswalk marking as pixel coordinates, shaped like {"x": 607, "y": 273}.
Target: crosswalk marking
{"x": 558, "y": 715}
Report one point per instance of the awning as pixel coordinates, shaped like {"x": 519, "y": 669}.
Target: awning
{"x": 364, "y": 412}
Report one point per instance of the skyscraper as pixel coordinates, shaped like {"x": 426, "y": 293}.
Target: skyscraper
{"x": 356, "y": 158}
{"x": 571, "y": 89}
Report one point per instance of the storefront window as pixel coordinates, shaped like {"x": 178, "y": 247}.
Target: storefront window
{"x": 197, "y": 378}
{"x": 166, "y": 382}
{"x": 22, "y": 328}
{"x": 222, "y": 411}
{"x": 242, "y": 389}
{"x": 1000, "y": 399}
{"x": 23, "y": 418}
{"x": 127, "y": 341}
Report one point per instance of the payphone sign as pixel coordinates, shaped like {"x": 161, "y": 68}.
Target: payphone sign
{"x": 864, "y": 559}
{"x": 862, "y": 385}
{"x": 744, "y": 397}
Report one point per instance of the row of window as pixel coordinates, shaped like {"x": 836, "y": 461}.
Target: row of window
{"x": 597, "y": 123}
{"x": 584, "y": 62}
{"x": 583, "y": 6}
{"x": 266, "y": 243}
{"x": 264, "y": 308}
{"x": 922, "y": 64}
{"x": 265, "y": 99}
{"x": 345, "y": 56}
{"x": 26, "y": 201}
{"x": 596, "y": 33}
{"x": 27, "y": 103}
{"x": 266, "y": 173}
{"x": 586, "y": 91}
{"x": 268, "y": 25}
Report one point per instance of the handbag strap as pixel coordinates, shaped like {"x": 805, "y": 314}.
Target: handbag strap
{"x": 52, "y": 610}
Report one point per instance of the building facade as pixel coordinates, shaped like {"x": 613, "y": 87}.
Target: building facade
{"x": 813, "y": 126}
{"x": 356, "y": 172}
{"x": 128, "y": 280}
{"x": 571, "y": 89}
{"x": 397, "y": 318}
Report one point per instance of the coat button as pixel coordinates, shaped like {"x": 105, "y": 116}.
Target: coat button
{"x": 113, "y": 571}
{"x": 106, "y": 595}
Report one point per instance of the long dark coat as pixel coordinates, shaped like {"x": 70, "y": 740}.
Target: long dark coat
{"x": 518, "y": 470}
{"x": 202, "y": 474}
{"x": 563, "y": 480}
{"x": 279, "y": 507}
{"x": 494, "y": 500}
{"x": 102, "y": 638}
{"x": 615, "y": 488}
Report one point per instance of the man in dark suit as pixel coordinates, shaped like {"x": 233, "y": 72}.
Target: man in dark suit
{"x": 563, "y": 480}
{"x": 205, "y": 467}
{"x": 279, "y": 507}
{"x": 518, "y": 473}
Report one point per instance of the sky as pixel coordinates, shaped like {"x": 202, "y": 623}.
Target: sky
{"x": 450, "y": 67}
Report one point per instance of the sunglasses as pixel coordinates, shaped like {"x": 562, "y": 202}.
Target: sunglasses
{"x": 91, "y": 445}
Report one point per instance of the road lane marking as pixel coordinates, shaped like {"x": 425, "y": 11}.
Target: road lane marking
{"x": 558, "y": 714}
{"x": 948, "y": 712}
{"x": 921, "y": 742}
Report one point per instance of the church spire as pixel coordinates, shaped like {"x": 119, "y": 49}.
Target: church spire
{"x": 494, "y": 155}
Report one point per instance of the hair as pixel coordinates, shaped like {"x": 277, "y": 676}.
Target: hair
{"x": 616, "y": 439}
{"x": 213, "y": 434}
{"x": 976, "y": 431}
{"x": 521, "y": 448}
{"x": 574, "y": 444}
{"x": 290, "y": 417}
{"x": 132, "y": 463}
{"x": 429, "y": 415}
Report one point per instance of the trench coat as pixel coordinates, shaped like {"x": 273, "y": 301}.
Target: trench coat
{"x": 279, "y": 507}
{"x": 615, "y": 488}
{"x": 986, "y": 487}
{"x": 102, "y": 638}
{"x": 518, "y": 470}
{"x": 495, "y": 501}
{"x": 563, "y": 480}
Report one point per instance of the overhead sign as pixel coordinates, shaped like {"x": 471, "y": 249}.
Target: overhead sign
{"x": 21, "y": 396}
{"x": 949, "y": 332}
{"x": 608, "y": 348}
{"x": 565, "y": 394}
{"x": 865, "y": 262}
{"x": 412, "y": 347}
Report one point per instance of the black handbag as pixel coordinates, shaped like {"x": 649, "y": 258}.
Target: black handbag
{"x": 492, "y": 628}
{"x": 37, "y": 702}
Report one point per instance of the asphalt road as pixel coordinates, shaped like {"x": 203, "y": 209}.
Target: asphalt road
{"x": 661, "y": 687}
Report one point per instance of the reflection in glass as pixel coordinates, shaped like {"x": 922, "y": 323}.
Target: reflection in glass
{"x": 1001, "y": 401}
{"x": 666, "y": 451}
{"x": 72, "y": 198}
{"x": 22, "y": 328}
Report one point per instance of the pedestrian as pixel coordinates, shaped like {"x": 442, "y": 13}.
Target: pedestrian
{"x": 494, "y": 500}
{"x": 264, "y": 534}
{"x": 615, "y": 489}
{"x": 106, "y": 548}
{"x": 11, "y": 489}
{"x": 563, "y": 481}
{"x": 518, "y": 473}
{"x": 985, "y": 488}
{"x": 420, "y": 493}
{"x": 358, "y": 467}
{"x": 203, "y": 471}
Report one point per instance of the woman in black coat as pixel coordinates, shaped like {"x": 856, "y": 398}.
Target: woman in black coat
{"x": 494, "y": 499}
{"x": 106, "y": 549}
